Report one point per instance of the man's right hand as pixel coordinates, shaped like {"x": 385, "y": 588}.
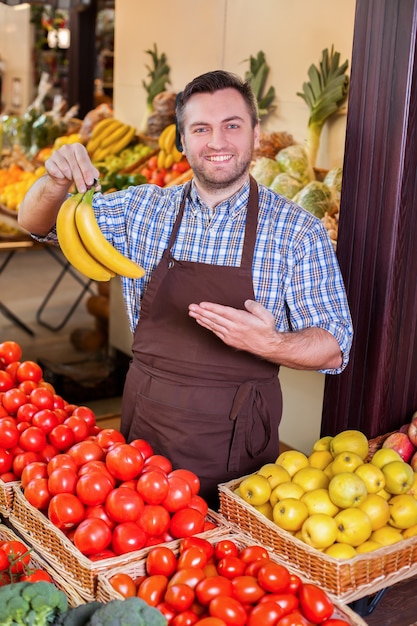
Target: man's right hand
{"x": 72, "y": 164}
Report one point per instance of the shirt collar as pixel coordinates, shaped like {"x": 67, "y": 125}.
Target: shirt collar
{"x": 232, "y": 206}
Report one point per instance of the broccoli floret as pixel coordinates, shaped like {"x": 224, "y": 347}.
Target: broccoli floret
{"x": 78, "y": 615}
{"x": 46, "y": 602}
{"x": 13, "y": 607}
{"x": 132, "y": 611}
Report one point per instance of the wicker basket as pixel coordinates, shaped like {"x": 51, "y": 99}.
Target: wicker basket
{"x": 61, "y": 553}
{"x": 347, "y": 580}
{"x": 36, "y": 562}
{"x": 105, "y": 591}
{"x": 6, "y": 497}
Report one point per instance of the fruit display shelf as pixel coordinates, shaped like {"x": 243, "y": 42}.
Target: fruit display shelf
{"x": 348, "y": 580}
{"x": 105, "y": 592}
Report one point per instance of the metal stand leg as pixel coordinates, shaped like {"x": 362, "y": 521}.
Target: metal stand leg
{"x": 5, "y": 310}
{"x": 66, "y": 269}
{"x": 365, "y": 606}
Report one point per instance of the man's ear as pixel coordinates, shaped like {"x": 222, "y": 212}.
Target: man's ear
{"x": 178, "y": 142}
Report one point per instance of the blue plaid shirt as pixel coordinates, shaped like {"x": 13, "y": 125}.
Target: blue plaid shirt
{"x": 296, "y": 275}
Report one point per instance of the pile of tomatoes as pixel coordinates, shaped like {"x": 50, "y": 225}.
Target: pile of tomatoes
{"x": 16, "y": 566}
{"x": 108, "y": 496}
{"x": 225, "y": 583}
{"x": 162, "y": 176}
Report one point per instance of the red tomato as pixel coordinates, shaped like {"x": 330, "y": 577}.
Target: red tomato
{"x": 161, "y": 560}
{"x": 190, "y": 477}
{"x": 18, "y": 555}
{"x": 86, "y": 413}
{"x": 287, "y": 601}
{"x": 10, "y": 351}
{"x": 99, "y": 512}
{"x": 123, "y": 584}
{"x": 35, "y": 576}
{"x": 84, "y": 451}
{"x": 97, "y": 466}
{"x": 185, "y": 618}
{"x": 124, "y": 461}
{"x": 38, "y": 469}
{"x": 124, "y": 505}
{"x": 252, "y": 553}
{"x": 105, "y": 554}
{"x": 160, "y": 461}
{"x": 253, "y": 567}
{"x": 210, "y": 588}
{"x": 4, "y": 560}
{"x": 230, "y": 566}
{"x": 62, "y": 437}
{"x": 6, "y": 381}
{"x": 197, "y": 542}
{"x": 274, "y": 577}
{"x": 229, "y": 610}
{"x": 26, "y": 412}
{"x": 27, "y": 386}
{"x": 92, "y": 535}
{"x": 11, "y": 369}
{"x": 143, "y": 446}
{"x": 78, "y": 426}
{"x": 9, "y": 434}
{"x": 225, "y": 547}
{"x": 192, "y": 557}
{"x": 296, "y": 618}
{"x": 93, "y": 487}
{"x": 61, "y": 460}
{"x": 13, "y": 399}
{"x": 8, "y": 477}
{"x": 186, "y": 522}
{"x": 153, "y": 486}
{"x": 62, "y": 480}
{"x": 127, "y": 537}
{"x": 42, "y": 398}
{"x": 29, "y": 370}
{"x": 211, "y": 621}
{"x": 45, "y": 419}
{"x": 190, "y": 577}
{"x": 198, "y": 503}
{"x": 65, "y": 511}
{"x": 265, "y": 614}
{"x": 315, "y": 603}
{"x": 37, "y": 493}
{"x": 336, "y": 622}
{"x": 246, "y": 589}
{"x": 154, "y": 519}
{"x": 178, "y": 496}
{"x": 107, "y": 437}
{"x": 6, "y": 461}
{"x": 295, "y": 583}
{"x": 152, "y": 589}
{"x": 59, "y": 402}
{"x": 179, "y": 597}
{"x": 32, "y": 439}
{"x": 22, "y": 459}
{"x": 48, "y": 453}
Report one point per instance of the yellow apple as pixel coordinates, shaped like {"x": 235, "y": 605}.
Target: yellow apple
{"x": 320, "y": 459}
{"x": 319, "y": 530}
{"x": 409, "y": 532}
{"x": 383, "y": 456}
{"x": 353, "y": 526}
{"x": 399, "y": 477}
{"x": 368, "y": 546}
{"x": 318, "y": 501}
{"x": 265, "y": 509}
{"x": 372, "y": 476}
{"x": 323, "y": 443}
{"x": 413, "y": 489}
{"x": 292, "y": 460}
{"x": 341, "y": 551}
{"x": 377, "y": 509}
{"x": 310, "y": 478}
{"x": 328, "y": 470}
{"x": 276, "y": 474}
{"x": 290, "y": 514}
{"x": 346, "y": 462}
{"x": 286, "y": 490}
{"x": 403, "y": 511}
{"x": 387, "y": 535}
{"x": 255, "y": 489}
{"x": 350, "y": 441}
{"x": 384, "y": 494}
{"x": 347, "y": 489}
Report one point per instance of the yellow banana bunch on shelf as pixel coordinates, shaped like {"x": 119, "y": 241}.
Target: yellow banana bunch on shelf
{"x": 109, "y": 136}
{"x": 84, "y": 245}
{"x": 168, "y": 153}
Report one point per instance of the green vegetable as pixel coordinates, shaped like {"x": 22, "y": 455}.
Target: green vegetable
{"x": 286, "y": 185}
{"x": 293, "y": 160}
{"x": 159, "y": 78}
{"x": 257, "y": 76}
{"x": 325, "y": 93}
{"x": 264, "y": 170}
{"x": 31, "y": 604}
{"x": 316, "y": 198}
{"x": 333, "y": 180}
{"x": 132, "y": 611}
{"x": 79, "y": 615}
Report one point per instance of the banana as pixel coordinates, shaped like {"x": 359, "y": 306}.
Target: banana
{"x": 115, "y": 135}
{"x": 162, "y": 136}
{"x": 161, "y": 158}
{"x": 176, "y": 154}
{"x": 169, "y": 161}
{"x": 96, "y": 138}
{"x": 71, "y": 245}
{"x": 169, "y": 139}
{"x": 122, "y": 143}
{"x": 98, "y": 246}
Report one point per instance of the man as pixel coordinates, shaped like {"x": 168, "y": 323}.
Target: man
{"x": 238, "y": 281}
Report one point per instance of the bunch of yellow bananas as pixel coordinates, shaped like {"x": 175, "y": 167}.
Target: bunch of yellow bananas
{"x": 109, "y": 136}
{"x": 168, "y": 153}
{"x": 84, "y": 245}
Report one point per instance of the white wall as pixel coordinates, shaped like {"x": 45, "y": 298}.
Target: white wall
{"x": 16, "y": 52}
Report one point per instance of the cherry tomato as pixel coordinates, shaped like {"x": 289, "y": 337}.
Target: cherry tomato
{"x": 274, "y": 577}
{"x": 124, "y": 505}
{"x": 36, "y": 576}
{"x": 179, "y": 597}
{"x": 210, "y": 588}
{"x": 246, "y": 589}
{"x": 92, "y": 535}
{"x": 161, "y": 560}
{"x": 10, "y": 351}
{"x": 84, "y": 451}
{"x": 65, "y": 511}
{"x": 124, "y": 461}
{"x": 231, "y": 566}
{"x": 186, "y": 522}
{"x": 315, "y": 603}
{"x": 29, "y": 370}
{"x": 154, "y": 519}
{"x": 93, "y": 487}
{"x": 152, "y": 589}
{"x": 225, "y": 547}
{"x": 229, "y": 610}
{"x": 265, "y": 614}
{"x": 4, "y": 560}
{"x": 127, "y": 537}
{"x": 32, "y": 439}
{"x": 17, "y": 554}
{"x": 123, "y": 584}
{"x": 153, "y": 486}
{"x": 62, "y": 480}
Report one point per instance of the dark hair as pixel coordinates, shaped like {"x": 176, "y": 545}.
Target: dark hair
{"x": 212, "y": 82}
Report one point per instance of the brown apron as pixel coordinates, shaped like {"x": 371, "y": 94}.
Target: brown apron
{"x": 207, "y": 407}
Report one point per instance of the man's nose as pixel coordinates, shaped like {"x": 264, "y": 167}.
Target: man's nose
{"x": 216, "y": 139}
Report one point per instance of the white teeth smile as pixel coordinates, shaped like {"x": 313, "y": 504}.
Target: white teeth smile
{"x": 220, "y": 158}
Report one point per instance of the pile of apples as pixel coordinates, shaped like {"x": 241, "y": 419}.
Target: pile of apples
{"x": 337, "y": 499}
